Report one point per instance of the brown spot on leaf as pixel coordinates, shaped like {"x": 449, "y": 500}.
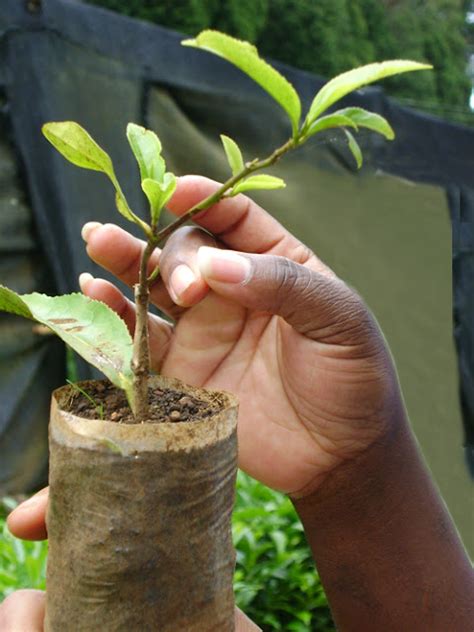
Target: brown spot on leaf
{"x": 73, "y": 330}
{"x": 62, "y": 321}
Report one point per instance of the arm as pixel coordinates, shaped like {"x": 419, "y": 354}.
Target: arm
{"x": 387, "y": 551}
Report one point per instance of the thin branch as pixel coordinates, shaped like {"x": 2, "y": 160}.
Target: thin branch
{"x": 212, "y": 199}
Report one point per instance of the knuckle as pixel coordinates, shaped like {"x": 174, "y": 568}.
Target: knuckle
{"x": 302, "y": 254}
{"x": 291, "y": 279}
{"x": 349, "y": 321}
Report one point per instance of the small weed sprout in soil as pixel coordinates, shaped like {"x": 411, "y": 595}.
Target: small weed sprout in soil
{"x": 90, "y": 327}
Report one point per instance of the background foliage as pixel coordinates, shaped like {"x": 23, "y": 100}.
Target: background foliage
{"x": 275, "y": 580}
{"x": 329, "y": 36}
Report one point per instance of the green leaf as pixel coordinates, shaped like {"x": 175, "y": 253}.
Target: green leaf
{"x": 261, "y": 181}
{"x": 327, "y": 122}
{"x": 89, "y": 327}
{"x": 123, "y": 207}
{"x": 355, "y": 149}
{"x": 246, "y": 57}
{"x": 357, "y": 78}
{"x": 159, "y": 193}
{"x": 168, "y": 187}
{"x": 370, "y": 120}
{"x": 152, "y": 190}
{"x": 11, "y": 302}
{"x": 146, "y": 147}
{"x": 77, "y": 146}
{"x": 233, "y": 153}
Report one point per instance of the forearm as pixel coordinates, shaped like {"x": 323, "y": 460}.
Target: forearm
{"x": 385, "y": 546}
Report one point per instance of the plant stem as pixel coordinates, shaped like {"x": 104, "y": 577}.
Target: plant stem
{"x": 141, "y": 351}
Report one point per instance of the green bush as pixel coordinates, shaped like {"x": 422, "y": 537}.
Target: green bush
{"x": 188, "y": 16}
{"x": 329, "y": 36}
{"x": 245, "y": 19}
{"x": 22, "y": 564}
{"x": 275, "y": 580}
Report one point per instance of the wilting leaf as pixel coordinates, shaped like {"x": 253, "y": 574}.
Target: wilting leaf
{"x": 261, "y": 181}
{"x": 246, "y": 57}
{"x": 233, "y": 153}
{"x": 328, "y": 122}
{"x": 146, "y": 147}
{"x": 89, "y": 327}
{"x": 355, "y": 149}
{"x": 370, "y": 120}
{"x": 354, "y": 79}
{"x": 77, "y": 146}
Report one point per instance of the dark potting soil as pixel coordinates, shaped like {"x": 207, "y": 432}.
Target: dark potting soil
{"x": 165, "y": 405}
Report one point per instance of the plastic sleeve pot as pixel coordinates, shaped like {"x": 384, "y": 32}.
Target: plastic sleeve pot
{"x": 139, "y": 521}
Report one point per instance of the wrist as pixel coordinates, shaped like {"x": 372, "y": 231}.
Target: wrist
{"x": 363, "y": 477}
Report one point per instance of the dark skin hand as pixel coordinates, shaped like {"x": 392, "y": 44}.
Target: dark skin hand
{"x": 321, "y": 415}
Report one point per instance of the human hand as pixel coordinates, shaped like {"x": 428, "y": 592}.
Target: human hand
{"x": 23, "y": 611}
{"x": 315, "y": 380}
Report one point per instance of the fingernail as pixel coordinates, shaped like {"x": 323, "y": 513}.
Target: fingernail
{"x": 223, "y": 266}
{"x": 84, "y": 279}
{"x": 181, "y": 278}
{"x": 88, "y": 228}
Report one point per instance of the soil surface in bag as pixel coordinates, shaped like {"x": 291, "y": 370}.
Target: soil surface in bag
{"x": 103, "y": 400}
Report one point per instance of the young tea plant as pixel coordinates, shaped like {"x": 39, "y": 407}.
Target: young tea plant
{"x": 90, "y": 327}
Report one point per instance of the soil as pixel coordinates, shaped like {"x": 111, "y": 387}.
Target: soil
{"x": 109, "y": 403}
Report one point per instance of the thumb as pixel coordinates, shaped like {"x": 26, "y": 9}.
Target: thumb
{"x": 318, "y": 306}
{"x": 23, "y": 611}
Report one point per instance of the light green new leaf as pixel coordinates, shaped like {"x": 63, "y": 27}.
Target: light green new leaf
{"x": 153, "y": 192}
{"x": 261, "y": 181}
{"x": 329, "y": 122}
{"x": 168, "y": 187}
{"x": 355, "y": 149}
{"x": 354, "y": 79}
{"x": 370, "y": 120}
{"x": 89, "y": 327}
{"x": 159, "y": 193}
{"x": 233, "y": 153}
{"x": 77, "y": 146}
{"x": 146, "y": 147}
{"x": 246, "y": 57}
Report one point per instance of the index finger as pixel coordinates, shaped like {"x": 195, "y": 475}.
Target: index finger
{"x": 28, "y": 520}
{"x": 239, "y": 222}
